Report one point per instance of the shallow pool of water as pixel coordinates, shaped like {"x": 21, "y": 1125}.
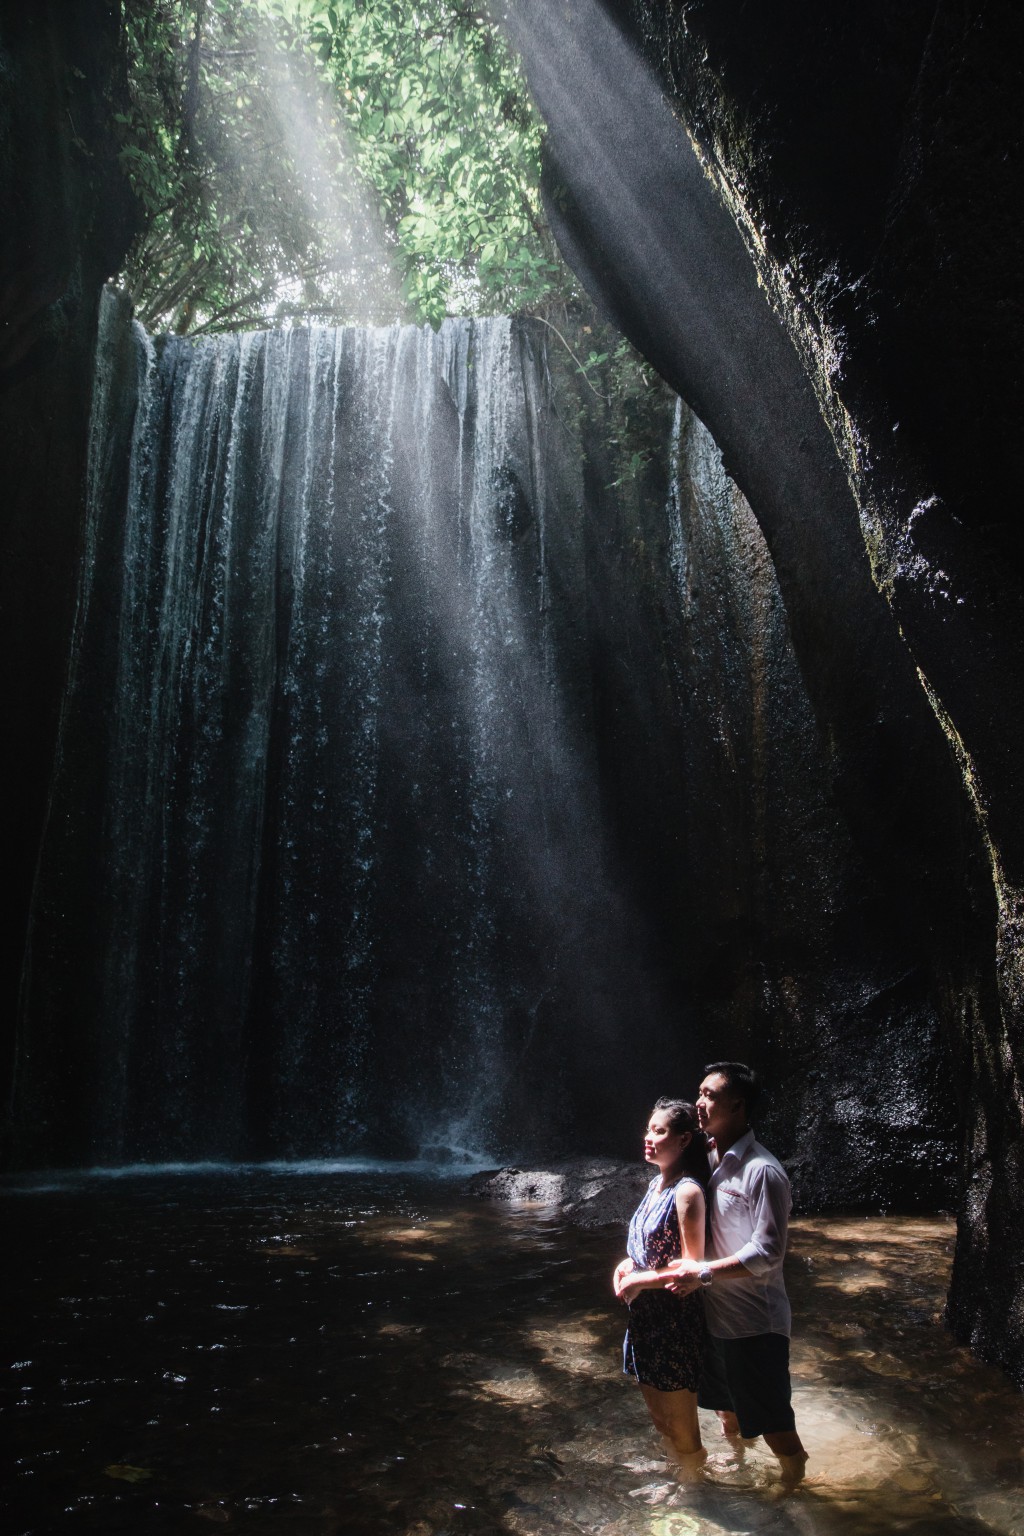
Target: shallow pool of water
{"x": 348, "y": 1351}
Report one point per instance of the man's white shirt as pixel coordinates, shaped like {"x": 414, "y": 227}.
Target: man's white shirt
{"x": 749, "y": 1202}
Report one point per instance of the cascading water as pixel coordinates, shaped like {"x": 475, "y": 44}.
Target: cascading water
{"x": 326, "y": 864}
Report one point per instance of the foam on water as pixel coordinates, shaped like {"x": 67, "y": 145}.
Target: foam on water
{"x": 439, "y": 1164}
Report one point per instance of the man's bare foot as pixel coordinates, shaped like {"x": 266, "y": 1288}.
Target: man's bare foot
{"x": 793, "y": 1468}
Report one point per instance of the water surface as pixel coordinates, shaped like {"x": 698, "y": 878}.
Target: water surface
{"x": 327, "y": 1352}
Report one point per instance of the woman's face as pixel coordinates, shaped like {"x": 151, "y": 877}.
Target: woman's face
{"x": 663, "y": 1146}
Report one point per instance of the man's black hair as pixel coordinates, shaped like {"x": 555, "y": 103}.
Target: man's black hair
{"x": 741, "y": 1081}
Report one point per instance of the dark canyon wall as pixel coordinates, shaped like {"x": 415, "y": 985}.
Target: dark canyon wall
{"x": 65, "y": 223}
{"x": 806, "y": 219}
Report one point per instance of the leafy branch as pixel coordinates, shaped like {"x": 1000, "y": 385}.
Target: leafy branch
{"x": 359, "y": 158}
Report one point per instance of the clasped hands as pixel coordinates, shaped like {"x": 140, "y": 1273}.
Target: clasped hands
{"x": 680, "y": 1277}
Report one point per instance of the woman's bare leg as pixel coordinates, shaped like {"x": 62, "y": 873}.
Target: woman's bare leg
{"x": 675, "y": 1416}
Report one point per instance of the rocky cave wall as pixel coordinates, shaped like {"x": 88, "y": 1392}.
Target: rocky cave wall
{"x": 67, "y": 221}
{"x": 806, "y": 220}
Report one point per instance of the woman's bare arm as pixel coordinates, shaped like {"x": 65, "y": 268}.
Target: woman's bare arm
{"x": 642, "y": 1280}
{"x": 622, "y": 1269}
{"x": 691, "y": 1211}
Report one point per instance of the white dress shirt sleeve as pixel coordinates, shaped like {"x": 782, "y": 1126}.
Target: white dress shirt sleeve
{"x": 770, "y": 1202}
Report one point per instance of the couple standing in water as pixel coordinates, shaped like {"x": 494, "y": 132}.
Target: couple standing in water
{"x": 709, "y": 1317}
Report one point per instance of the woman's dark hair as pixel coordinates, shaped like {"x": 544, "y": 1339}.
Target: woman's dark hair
{"x": 682, "y": 1116}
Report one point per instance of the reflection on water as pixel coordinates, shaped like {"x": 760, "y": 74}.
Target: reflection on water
{"x": 349, "y": 1352}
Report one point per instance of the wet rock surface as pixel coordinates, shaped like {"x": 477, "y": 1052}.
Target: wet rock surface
{"x": 588, "y": 1192}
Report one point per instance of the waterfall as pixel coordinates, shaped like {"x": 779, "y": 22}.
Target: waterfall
{"x": 426, "y": 785}
{"x": 326, "y": 863}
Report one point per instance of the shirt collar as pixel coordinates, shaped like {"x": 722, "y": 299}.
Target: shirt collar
{"x": 739, "y": 1149}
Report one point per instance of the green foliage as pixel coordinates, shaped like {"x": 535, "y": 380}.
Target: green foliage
{"x": 232, "y": 147}
{"x": 446, "y": 133}
{"x": 626, "y": 384}
{"x": 634, "y": 394}
{"x": 355, "y": 160}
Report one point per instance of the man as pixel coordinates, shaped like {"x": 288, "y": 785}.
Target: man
{"x": 746, "y": 1364}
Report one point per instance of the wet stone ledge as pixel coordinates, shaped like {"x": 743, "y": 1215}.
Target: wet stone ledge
{"x": 587, "y": 1191}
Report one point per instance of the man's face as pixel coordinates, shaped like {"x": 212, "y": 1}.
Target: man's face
{"x": 718, "y": 1110}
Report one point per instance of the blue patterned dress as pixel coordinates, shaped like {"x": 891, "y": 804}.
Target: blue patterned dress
{"x": 664, "y": 1342}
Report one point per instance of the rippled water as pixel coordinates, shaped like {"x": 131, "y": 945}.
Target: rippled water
{"x": 348, "y": 1352}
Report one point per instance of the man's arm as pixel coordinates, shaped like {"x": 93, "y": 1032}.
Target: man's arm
{"x": 765, "y": 1249}
{"x": 686, "y": 1279}
{"x": 770, "y": 1203}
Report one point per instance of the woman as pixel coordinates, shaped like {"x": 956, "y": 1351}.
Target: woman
{"x": 665, "y": 1338}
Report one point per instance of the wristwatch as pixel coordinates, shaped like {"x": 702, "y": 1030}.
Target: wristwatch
{"x": 704, "y": 1274}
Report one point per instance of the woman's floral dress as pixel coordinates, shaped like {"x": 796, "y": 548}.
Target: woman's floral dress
{"x": 664, "y": 1342}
